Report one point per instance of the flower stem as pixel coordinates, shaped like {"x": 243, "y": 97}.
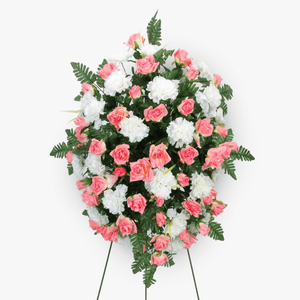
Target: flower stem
{"x": 145, "y": 292}
{"x": 193, "y": 273}
{"x": 104, "y": 270}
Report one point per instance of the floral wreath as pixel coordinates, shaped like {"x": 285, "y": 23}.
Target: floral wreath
{"x": 148, "y": 148}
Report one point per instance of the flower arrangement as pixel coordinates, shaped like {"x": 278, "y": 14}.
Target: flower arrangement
{"x": 148, "y": 148}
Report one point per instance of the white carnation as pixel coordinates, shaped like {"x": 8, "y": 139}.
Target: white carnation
{"x": 94, "y": 164}
{"x": 204, "y": 71}
{"x": 180, "y": 132}
{"x": 116, "y": 82}
{"x": 162, "y": 89}
{"x": 134, "y": 128}
{"x": 216, "y": 174}
{"x": 85, "y": 99}
{"x": 178, "y": 224}
{"x": 79, "y": 167}
{"x": 209, "y": 100}
{"x": 93, "y": 109}
{"x": 148, "y": 49}
{"x": 113, "y": 200}
{"x": 171, "y": 213}
{"x": 96, "y": 216}
{"x": 122, "y": 56}
{"x": 98, "y": 123}
{"x": 201, "y": 186}
{"x": 219, "y": 116}
{"x": 162, "y": 184}
{"x": 175, "y": 245}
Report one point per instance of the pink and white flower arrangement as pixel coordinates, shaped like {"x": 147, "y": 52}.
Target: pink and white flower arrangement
{"x": 146, "y": 148}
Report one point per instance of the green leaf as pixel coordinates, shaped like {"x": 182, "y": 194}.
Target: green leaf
{"x": 154, "y": 31}
{"x": 226, "y": 91}
{"x": 216, "y": 231}
{"x": 242, "y": 154}
{"x": 82, "y": 73}
{"x": 229, "y": 168}
{"x": 148, "y": 276}
{"x": 60, "y": 150}
{"x": 140, "y": 263}
{"x": 70, "y": 169}
{"x": 72, "y": 140}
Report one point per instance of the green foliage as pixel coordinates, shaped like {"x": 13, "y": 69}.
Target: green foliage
{"x": 154, "y": 31}
{"x": 226, "y": 91}
{"x": 70, "y": 169}
{"x": 242, "y": 154}
{"x": 216, "y": 231}
{"x": 60, "y": 150}
{"x": 148, "y": 275}
{"x": 140, "y": 263}
{"x": 72, "y": 140}
{"x": 82, "y": 73}
{"x": 229, "y": 168}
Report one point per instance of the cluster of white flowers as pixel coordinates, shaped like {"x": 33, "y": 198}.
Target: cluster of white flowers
{"x": 209, "y": 100}
{"x": 162, "y": 183}
{"x": 180, "y": 132}
{"x": 178, "y": 223}
{"x": 162, "y": 89}
{"x": 175, "y": 245}
{"x": 78, "y": 165}
{"x": 201, "y": 186}
{"x": 116, "y": 82}
{"x": 113, "y": 200}
{"x": 91, "y": 107}
{"x": 120, "y": 57}
{"x": 204, "y": 71}
{"x": 94, "y": 164}
{"x": 148, "y": 49}
{"x": 96, "y": 216}
{"x": 134, "y": 128}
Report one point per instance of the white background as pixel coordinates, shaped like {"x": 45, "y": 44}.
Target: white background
{"x": 48, "y": 250}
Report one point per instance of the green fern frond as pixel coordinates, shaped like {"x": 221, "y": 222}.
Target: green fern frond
{"x": 60, "y": 150}
{"x": 216, "y": 231}
{"x": 148, "y": 276}
{"x": 229, "y": 168}
{"x": 154, "y": 31}
{"x": 242, "y": 154}
{"x": 83, "y": 73}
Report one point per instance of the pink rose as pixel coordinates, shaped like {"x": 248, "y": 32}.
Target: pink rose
{"x": 206, "y": 200}
{"x": 159, "y": 259}
{"x": 141, "y": 170}
{"x": 120, "y": 171}
{"x": 187, "y": 238}
{"x": 135, "y": 40}
{"x": 99, "y": 184}
{"x": 117, "y": 115}
{"x": 111, "y": 180}
{"x": 155, "y": 114}
{"x": 186, "y": 107}
{"x": 85, "y": 87}
{"x": 97, "y": 147}
{"x": 107, "y": 70}
{"x": 159, "y": 156}
{"x": 217, "y": 208}
{"x": 217, "y": 80}
{"x": 181, "y": 58}
{"x": 214, "y": 158}
{"x": 120, "y": 154}
{"x": 126, "y": 225}
{"x": 227, "y": 147}
{"x": 204, "y": 127}
{"x": 89, "y": 199}
{"x": 81, "y": 137}
{"x": 161, "y": 242}
{"x": 187, "y": 155}
{"x": 80, "y": 121}
{"x": 94, "y": 225}
{"x": 135, "y": 92}
{"x": 161, "y": 219}
{"x": 137, "y": 203}
{"x": 110, "y": 233}
{"x": 192, "y": 207}
{"x": 203, "y": 229}
{"x": 69, "y": 156}
{"x": 160, "y": 201}
{"x": 192, "y": 73}
{"x": 183, "y": 179}
{"x": 213, "y": 193}
{"x": 222, "y": 131}
{"x": 80, "y": 185}
{"x": 146, "y": 65}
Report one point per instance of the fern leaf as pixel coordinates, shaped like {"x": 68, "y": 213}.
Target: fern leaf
{"x": 216, "y": 231}
{"x": 60, "y": 150}
{"x": 83, "y": 73}
{"x": 242, "y": 154}
{"x": 229, "y": 168}
{"x": 226, "y": 91}
{"x": 154, "y": 31}
{"x": 148, "y": 276}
